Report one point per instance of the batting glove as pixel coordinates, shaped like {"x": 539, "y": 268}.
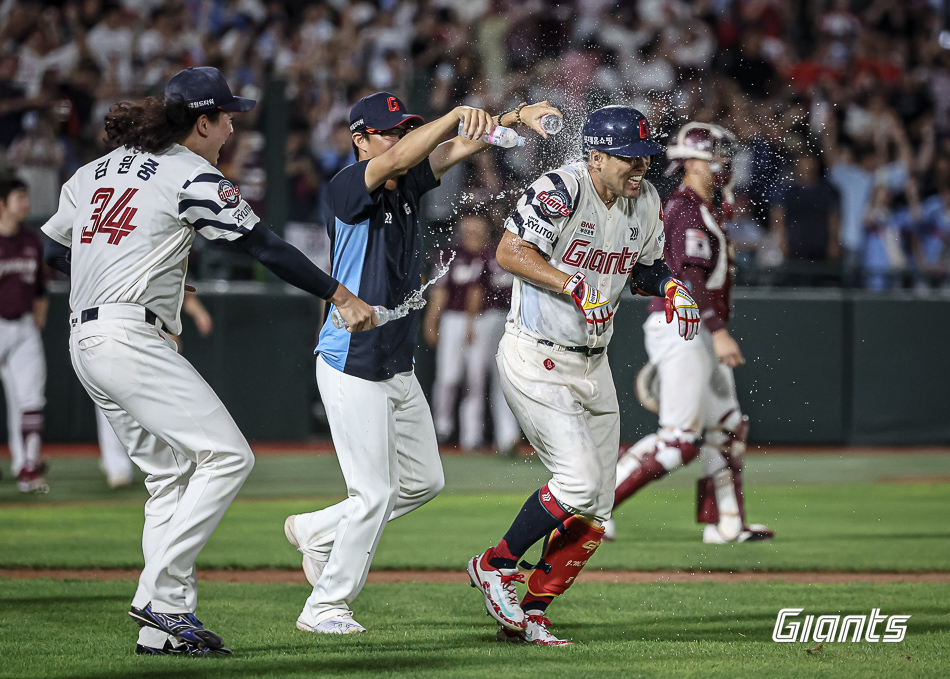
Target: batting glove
{"x": 677, "y": 301}
{"x": 594, "y": 306}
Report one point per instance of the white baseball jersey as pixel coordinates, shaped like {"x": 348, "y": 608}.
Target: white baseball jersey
{"x": 130, "y": 219}
{"x": 564, "y": 217}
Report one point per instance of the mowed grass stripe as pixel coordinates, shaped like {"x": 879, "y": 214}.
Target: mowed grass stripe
{"x": 886, "y": 527}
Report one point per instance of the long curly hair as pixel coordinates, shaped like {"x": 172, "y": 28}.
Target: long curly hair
{"x": 151, "y": 125}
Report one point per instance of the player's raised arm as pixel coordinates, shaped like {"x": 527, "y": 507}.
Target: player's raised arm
{"x": 383, "y": 133}
{"x": 454, "y": 151}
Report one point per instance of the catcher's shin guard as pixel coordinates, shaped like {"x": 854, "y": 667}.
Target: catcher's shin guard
{"x": 566, "y": 551}
{"x": 636, "y": 468}
{"x": 719, "y": 495}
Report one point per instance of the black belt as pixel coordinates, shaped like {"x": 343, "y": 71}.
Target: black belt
{"x": 587, "y": 351}
{"x": 92, "y": 314}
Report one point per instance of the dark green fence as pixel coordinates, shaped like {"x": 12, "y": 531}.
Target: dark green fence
{"x": 822, "y": 367}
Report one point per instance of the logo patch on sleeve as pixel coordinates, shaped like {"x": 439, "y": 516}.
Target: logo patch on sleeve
{"x": 554, "y": 203}
{"x": 229, "y": 193}
{"x": 697, "y": 244}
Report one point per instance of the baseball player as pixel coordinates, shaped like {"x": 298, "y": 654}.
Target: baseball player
{"x": 578, "y": 235}
{"x": 380, "y": 422}
{"x": 123, "y": 230}
{"x": 23, "y": 306}
{"x": 114, "y": 459}
{"x": 460, "y": 355}
{"x": 691, "y": 385}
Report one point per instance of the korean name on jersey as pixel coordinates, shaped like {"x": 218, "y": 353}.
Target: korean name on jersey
{"x": 564, "y": 217}
{"x": 130, "y": 219}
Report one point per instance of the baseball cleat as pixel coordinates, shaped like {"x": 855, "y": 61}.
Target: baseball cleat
{"x": 535, "y": 632}
{"x": 182, "y": 649}
{"x": 497, "y": 585}
{"x": 754, "y": 532}
{"x": 312, "y": 568}
{"x": 338, "y": 624}
{"x": 610, "y": 530}
{"x": 30, "y": 479}
{"x": 185, "y": 627}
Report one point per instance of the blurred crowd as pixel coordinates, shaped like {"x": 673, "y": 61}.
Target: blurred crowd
{"x": 841, "y": 106}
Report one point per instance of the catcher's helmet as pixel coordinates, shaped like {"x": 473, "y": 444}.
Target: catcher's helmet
{"x": 619, "y": 131}
{"x": 704, "y": 141}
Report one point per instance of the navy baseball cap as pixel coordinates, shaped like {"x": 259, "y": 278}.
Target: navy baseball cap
{"x": 205, "y": 89}
{"x": 380, "y": 111}
{"x": 620, "y": 131}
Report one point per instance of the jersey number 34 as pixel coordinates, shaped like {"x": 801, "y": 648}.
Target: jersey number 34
{"x": 114, "y": 220}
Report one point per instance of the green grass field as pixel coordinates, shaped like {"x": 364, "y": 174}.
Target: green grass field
{"x": 862, "y": 513}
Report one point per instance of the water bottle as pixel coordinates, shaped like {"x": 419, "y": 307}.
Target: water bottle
{"x": 382, "y": 313}
{"x": 505, "y": 137}
{"x": 551, "y": 123}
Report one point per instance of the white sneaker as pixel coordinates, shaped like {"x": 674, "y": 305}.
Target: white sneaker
{"x": 610, "y": 530}
{"x": 312, "y": 567}
{"x": 497, "y": 585}
{"x": 535, "y": 632}
{"x": 119, "y": 481}
{"x": 754, "y": 532}
{"x": 338, "y": 624}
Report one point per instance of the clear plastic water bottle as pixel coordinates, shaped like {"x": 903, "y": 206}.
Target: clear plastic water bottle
{"x": 382, "y": 313}
{"x": 551, "y": 123}
{"x": 505, "y": 137}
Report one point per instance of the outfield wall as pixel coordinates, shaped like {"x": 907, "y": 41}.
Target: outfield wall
{"x": 829, "y": 367}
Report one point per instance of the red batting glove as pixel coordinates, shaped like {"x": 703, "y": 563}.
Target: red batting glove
{"x": 677, "y": 301}
{"x": 594, "y": 306}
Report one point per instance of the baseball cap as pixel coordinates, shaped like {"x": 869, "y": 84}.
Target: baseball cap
{"x": 620, "y": 131}
{"x": 380, "y": 111}
{"x": 205, "y": 89}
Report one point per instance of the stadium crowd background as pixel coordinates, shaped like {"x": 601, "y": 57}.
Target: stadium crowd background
{"x": 841, "y": 106}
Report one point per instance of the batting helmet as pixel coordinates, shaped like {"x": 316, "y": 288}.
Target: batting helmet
{"x": 704, "y": 141}
{"x": 619, "y": 131}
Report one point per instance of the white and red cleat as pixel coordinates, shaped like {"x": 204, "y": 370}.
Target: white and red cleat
{"x": 497, "y": 585}
{"x": 536, "y": 631}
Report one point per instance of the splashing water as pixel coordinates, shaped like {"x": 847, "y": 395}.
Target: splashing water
{"x": 413, "y": 302}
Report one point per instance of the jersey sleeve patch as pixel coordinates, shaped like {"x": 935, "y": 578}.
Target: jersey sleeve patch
{"x": 697, "y": 244}
{"x": 542, "y": 211}
{"x": 214, "y": 207}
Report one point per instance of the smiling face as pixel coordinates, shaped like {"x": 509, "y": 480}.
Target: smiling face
{"x": 617, "y": 177}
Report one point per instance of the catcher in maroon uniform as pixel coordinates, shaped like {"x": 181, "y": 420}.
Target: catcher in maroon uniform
{"x": 23, "y": 306}
{"x": 690, "y": 384}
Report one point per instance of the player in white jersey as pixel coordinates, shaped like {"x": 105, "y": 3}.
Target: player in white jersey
{"x": 578, "y": 235}
{"x": 122, "y": 232}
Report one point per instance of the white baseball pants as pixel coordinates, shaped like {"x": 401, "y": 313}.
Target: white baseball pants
{"x": 176, "y": 430}
{"x": 113, "y": 456}
{"x": 23, "y": 372}
{"x": 490, "y": 327}
{"x": 470, "y": 365}
{"x": 566, "y": 404}
{"x": 696, "y": 390}
{"x": 385, "y": 442}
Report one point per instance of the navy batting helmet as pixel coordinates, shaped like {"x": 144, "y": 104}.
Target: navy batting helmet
{"x": 619, "y": 131}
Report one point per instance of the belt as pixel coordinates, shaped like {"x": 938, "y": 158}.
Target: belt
{"x": 587, "y": 351}
{"x": 132, "y": 312}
